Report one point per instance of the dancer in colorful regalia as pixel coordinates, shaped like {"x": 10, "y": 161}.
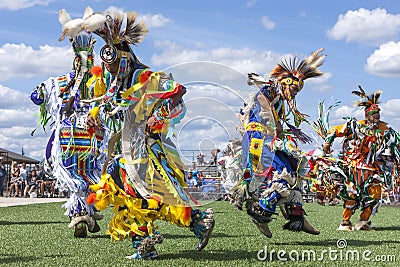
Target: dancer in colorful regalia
{"x": 144, "y": 180}
{"x": 271, "y": 160}
{"x": 74, "y": 154}
{"x": 231, "y": 169}
{"x": 370, "y": 156}
{"x": 325, "y": 179}
{"x": 325, "y": 173}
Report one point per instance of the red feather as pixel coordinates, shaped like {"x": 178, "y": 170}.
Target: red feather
{"x": 91, "y": 199}
{"x": 96, "y": 70}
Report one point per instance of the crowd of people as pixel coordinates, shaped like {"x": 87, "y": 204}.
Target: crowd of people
{"x": 27, "y": 181}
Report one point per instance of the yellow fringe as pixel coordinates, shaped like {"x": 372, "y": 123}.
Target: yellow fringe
{"x": 127, "y": 220}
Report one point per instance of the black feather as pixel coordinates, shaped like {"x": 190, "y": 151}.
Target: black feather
{"x": 362, "y": 90}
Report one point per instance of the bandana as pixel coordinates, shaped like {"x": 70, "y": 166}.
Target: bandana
{"x": 374, "y": 108}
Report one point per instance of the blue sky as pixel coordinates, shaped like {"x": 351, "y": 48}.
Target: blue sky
{"x": 361, "y": 39}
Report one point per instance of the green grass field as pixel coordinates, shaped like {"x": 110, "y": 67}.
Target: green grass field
{"x": 37, "y": 235}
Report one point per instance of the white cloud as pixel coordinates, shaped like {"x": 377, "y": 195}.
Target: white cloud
{"x": 17, "y": 120}
{"x": 112, "y": 9}
{"x": 390, "y": 111}
{"x": 320, "y": 84}
{"x": 391, "y": 108}
{"x": 20, "y": 60}
{"x": 16, "y": 137}
{"x": 267, "y": 23}
{"x": 385, "y": 61}
{"x": 211, "y": 73}
{"x": 303, "y": 14}
{"x": 211, "y": 117}
{"x": 345, "y": 111}
{"x": 151, "y": 20}
{"x": 10, "y": 98}
{"x": 154, "y": 20}
{"x": 251, "y": 3}
{"x": 366, "y": 26}
{"x": 18, "y": 117}
{"x": 20, "y": 4}
{"x": 16, "y": 109}
{"x": 244, "y": 60}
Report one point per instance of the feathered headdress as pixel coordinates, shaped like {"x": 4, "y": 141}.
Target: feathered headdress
{"x": 369, "y": 102}
{"x": 119, "y": 31}
{"x": 122, "y": 27}
{"x": 301, "y": 69}
{"x": 293, "y": 71}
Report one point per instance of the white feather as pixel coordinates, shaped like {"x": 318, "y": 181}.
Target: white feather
{"x": 255, "y": 79}
{"x": 94, "y": 22}
{"x": 315, "y": 59}
{"x": 71, "y": 29}
{"x": 88, "y": 12}
{"x": 63, "y": 16}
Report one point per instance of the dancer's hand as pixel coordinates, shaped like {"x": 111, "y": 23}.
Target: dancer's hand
{"x": 91, "y": 122}
{"x": 92, "y": 118}
{"x": 327, "y": 148}
{"x": 151, "y": 121}
{"x": 279, "y": 129}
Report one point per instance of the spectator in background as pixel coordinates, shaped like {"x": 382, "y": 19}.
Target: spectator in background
{"x": 47, "y": 184}
{"x": 24, "y": 176}
{"x": 200, "y": 159}
{"x": 39, "y": 172}
{"x": 200, "y": 177}
{"x": 33, "y": 184}
{"x": 16, "y": 180}
{"x": 214, "y": 157}
{"x": 3, "y": 173}
{"x": 191, "y": 182}
{"x": 195, "y": 174}
{"x": 193, "y": 169}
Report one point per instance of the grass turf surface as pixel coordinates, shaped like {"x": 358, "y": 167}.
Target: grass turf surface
{"x": 37, "y": 235}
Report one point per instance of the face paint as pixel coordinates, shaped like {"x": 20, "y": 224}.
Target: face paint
{"x": 288, "y": 94}
{"x": 291, "y": 86}
{"x": 374, "y": 108}
{"x": 288, "y": 81}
